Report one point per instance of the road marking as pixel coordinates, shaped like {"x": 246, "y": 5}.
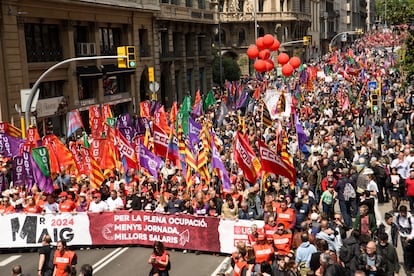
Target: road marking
{"x": 9, "y": 260}
{"x": 96, "y": 267}
{"x": 223, "y": 267}
{"x": 106, "y": 257}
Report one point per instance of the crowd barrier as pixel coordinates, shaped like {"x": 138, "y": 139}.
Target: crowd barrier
{"x": 125, "y": 228}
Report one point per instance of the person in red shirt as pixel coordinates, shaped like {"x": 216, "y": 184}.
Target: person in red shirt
{"x": 159, "y": 260}
{"x": 263, "y": 251}
{"x": 282, "y": 240}
{"x": 66, "y": 205}
{"x": 286, "y": 215}
{"x": 64, "y": 260}
{"x": 31, "y": 207}
{"x": 409, "y": 183}
{"x": 6, "y": 208}
{"x": 254, "y": 234}
{"x": 270, "y": 228}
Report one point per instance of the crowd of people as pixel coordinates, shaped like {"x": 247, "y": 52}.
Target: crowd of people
{"x": 354, "y": 157}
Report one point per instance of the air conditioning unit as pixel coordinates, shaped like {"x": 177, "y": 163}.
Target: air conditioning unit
{"x": 82, "y": 49}
{"x": 91, "y": 49}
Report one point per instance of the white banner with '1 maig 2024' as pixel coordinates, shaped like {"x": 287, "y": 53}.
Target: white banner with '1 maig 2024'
{"x": 25, "y": 230}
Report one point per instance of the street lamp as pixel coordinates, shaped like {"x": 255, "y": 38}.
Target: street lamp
{"x": 219, "y": 33}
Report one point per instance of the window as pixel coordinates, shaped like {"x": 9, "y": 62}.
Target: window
{"x": 164, "y": 43}
{"x": 50, "y": 89}
{"x": 242, "y": 36}
{"x": 110, "y": 38}
{"x": 114, "y": 84}
{"x": 241, "y": 6}
{"x": 201, "y": 4}
{"x": 261, "y": 4}
{"x": 220, "y": 6}
{"x": 189, "y": 3}
{"x": 189, "y": 45}
{"x": 144, "y": 49}
{"x": 87, "y": 88}
{"x": 42, "y": 42}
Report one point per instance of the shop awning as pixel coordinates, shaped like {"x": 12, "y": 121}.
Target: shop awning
{"x": 111, "y": 69}
{"x": 88, "y": 71}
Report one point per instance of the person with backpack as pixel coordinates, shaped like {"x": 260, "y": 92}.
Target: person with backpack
{"x": 345, "y": 190}
{"x": 46, "y": 253}
{"x": 160, "y": 260}
{"x": 350, "y": 251}
{"x": 389, "y": 254}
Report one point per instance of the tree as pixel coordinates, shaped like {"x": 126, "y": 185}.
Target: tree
{"x": 395, "y": 12}
{"x": 231, "y": 70}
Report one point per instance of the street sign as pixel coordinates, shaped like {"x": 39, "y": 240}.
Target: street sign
{"x": 154, "y": 86}
{"x": 372, "y": 85}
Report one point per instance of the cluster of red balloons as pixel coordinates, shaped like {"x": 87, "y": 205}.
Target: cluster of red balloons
{"x": 262, "y": 50}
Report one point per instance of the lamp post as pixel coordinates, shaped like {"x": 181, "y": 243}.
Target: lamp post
{"x": 359, "y": 31}
{"x": 220, "y": 56}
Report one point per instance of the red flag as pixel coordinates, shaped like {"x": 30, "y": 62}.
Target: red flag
{"x": 59, "y": 154}
{"x": 245, "y": 158}
{"x": 145, "y": 109}
{"x": 271, "y": 162}
{"x": 125, "y": 149}
{"x": 173, "y": 113}
{"x": 96, "y": 176}
{"x": 160, "y": 141}
{"x": 160, "y": 119}
{"x": 106, "y": 112}
{"x": 86, "y": 160}
{"x": 256, "y": 93}
{"x": 108, "y": 156}
{"x": 95, "y": 125}
{"x": 197, "y": 99}
{"x": 346, "y": 104}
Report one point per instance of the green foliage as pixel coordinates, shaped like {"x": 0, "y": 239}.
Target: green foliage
{"x": 409, "y": 55}
{"x": 395, "y": 12}
{"x": 231, "y": 70}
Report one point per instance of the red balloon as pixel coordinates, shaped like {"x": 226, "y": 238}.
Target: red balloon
{"x": 275, "y": 46}
{"x": 295, "y": 62}
{"x": 287, "y": 70}
{"x": 269, "y": 65}
{"x": 282, "y": 58}
{"x": 260, "y": 43}
{"x": 268, "y": 40}
{"x": 252, "y": 52}
{"x": 264, "y": 54}
{"x": 260, "y": 65}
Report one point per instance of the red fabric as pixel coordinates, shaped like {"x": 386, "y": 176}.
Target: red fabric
{"x": 409, "y": 182}
{"x": 286, "y": 217}
{"x": 61, "y": 261}
{"x": 282, "y": 243}
{"x": 263, "y": 253}
{"x": 244, "y": 155}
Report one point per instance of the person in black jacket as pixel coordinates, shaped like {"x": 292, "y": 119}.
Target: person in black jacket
{"x": 371, "y": 262}
{"x": 389, "y": 254}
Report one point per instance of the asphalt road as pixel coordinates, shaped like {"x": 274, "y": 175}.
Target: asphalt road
{"x": 120, "y": 261}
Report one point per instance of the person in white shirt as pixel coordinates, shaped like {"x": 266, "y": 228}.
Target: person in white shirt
{"x": 97, "y": 205}
{"x": 405, "y": 223}
{"x": 51, "y": 206}
{"x": 114, "y": 202}
{"x": 401, "y": 164}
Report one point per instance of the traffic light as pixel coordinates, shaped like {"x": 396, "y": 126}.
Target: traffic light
{"x": 374, "y": 102}
{"x": 129, "y": 53}
{"x": 122, "y": 62}
{"x": 360, "y": 31}
{"x": 305, "y": 41}
{"x": 131, "y": 56}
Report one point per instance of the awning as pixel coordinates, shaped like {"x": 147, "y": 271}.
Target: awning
{"x": 111, "y": 69}
{"x": 88, "y": 71}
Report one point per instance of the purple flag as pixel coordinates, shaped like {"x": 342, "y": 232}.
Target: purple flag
{"x": 128, "y": 133}
{"x": 142, "y": 125}
{"x": 149, "y": 161}
{"x": 222, "y": 113}
{"x": 27, "y": 170}
{"x": 197, "y": 110}
{"x": 218, "y": 164}
{"x": 44, "y": 183}
{"x": 194, "y": 130}
{"x": 302, "y": 137}
{"x": 124, "y": 121}
{"x": 19, "y": 175}
{"x": 9, "y": 145}
{"x": 155, "y": 105}
{"x": 3, "y": 182}
{"x": 242, "y": 100}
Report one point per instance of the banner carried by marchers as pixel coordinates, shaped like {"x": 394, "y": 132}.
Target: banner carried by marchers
{"x": 125, "y": 228}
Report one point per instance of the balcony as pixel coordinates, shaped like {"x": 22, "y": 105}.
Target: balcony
{"x": 44, "y": 54}
{"x": 227, "y": 17}
{"x": 152, "y": 5}
{"x": 188, "y": 14}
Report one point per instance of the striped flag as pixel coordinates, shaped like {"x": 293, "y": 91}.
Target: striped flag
{"x": 74, "y": 122}
{"x": 10, "y": 129}
{"x": 106, "y": 112}
{"x": 287, "y": 159}
{"x": 96, "y": 176}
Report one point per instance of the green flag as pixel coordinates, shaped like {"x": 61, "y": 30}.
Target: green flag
{"x": 209, "y": 100}
{"x": 186, "y": 106}
{"x": 182, "y": 119}
{"x": 85, "y": 141}
{"x": 41, "y": 157}
{"x": 111, "y": 122}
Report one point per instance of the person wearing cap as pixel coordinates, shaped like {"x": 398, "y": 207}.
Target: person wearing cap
{"x": 97, "y": 205}
{"x": 66, "y": 205}
{"x": 263, "y": 251}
